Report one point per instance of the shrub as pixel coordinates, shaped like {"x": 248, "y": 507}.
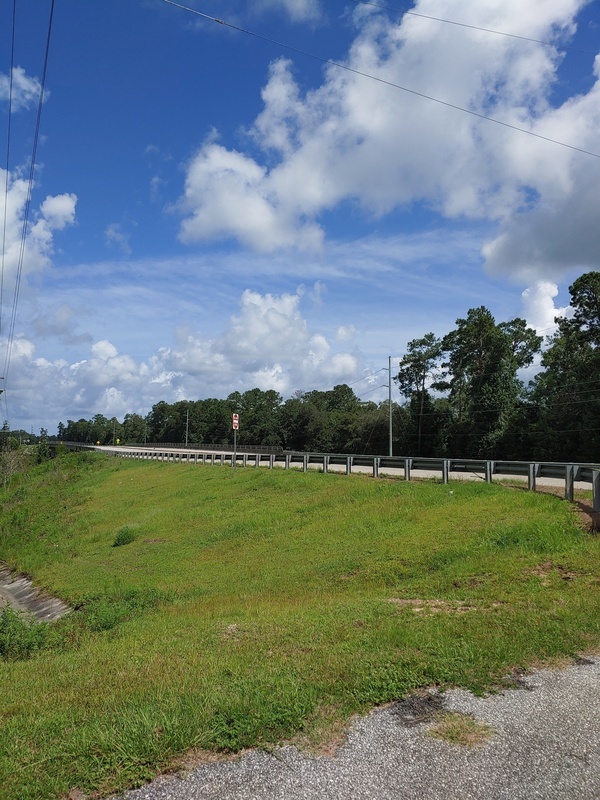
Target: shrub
{"x": 20, "y": 636}
{"x": 125, "y": 535}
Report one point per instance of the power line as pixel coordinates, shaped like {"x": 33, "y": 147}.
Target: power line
{"x": 11, "y": 332}
{"x": 8, "y": 138}
{"x": 329, "y": 61}
{"x": 464, "y": 25}
{"x": 365, "y": 377}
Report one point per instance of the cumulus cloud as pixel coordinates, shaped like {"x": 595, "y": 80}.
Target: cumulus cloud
{"x": 226, "y": 194}
{"x": 355, "y": 140}
{"x": 539, "y": 309}
{"x": 267, "y": 344}
{"x": 25, "y": 89}
{"x": 54, "y": 214}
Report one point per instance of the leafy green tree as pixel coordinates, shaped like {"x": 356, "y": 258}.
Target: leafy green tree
{"x": 567, "y": 393}
{"x": 259, "y": 416}
{"x": 483, "y": 359}
{"x": 418, "y": 369}
{"x": 134, "y": 429}
{"x": 100, "y": 430}
{"x": 295, "y": 417}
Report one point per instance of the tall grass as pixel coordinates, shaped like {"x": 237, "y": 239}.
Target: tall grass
{"x": 255, "y": 607}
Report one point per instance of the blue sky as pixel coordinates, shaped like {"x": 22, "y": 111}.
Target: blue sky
{"x": 213, "y": 212}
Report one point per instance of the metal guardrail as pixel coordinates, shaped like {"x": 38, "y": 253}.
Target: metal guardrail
{"x": 405, "y": 465}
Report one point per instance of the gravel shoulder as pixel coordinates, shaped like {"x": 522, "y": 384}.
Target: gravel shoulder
{"x": 543, "y": 742}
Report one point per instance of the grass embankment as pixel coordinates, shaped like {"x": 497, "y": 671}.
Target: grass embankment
{"x": 242, "y": 609}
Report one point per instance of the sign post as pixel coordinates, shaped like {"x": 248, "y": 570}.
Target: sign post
{"x": 235, "y": 424}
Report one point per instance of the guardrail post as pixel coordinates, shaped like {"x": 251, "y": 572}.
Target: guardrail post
{"x": 596, "y": 489}
{"x": 349, "y": 465}
{"x": 569, "y": 482}
{"x": 287, "y": 461}
{"x": 244, "y": 459}
{"x": 271, "y": 461}
{"x": 445, "y": 470}
{"x": 489, "y": 471}
{"x": 531, "y": 475}
{"x": 304, "y": 463}
{"x": 407, "y": 468}
{"x": 375, "y": 467}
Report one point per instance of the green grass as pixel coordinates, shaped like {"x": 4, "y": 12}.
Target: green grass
{"x": 265, "y": 605}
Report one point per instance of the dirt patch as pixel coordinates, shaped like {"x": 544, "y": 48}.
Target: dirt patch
{"x": 545, "y": 569}
{"x": 429, "y": 606}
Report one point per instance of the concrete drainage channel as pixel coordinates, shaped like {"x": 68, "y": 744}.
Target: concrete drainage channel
{"x": 21, "y": 594}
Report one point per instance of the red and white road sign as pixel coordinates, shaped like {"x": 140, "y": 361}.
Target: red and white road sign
{"x": 235, "y": 424}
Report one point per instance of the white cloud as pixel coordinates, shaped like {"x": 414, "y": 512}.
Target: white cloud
{"x": 297, "y": 9}
{"x": 226, "y": 194}
{"x": 539, "y": 309}
{"x": 268, "y": 344}
{"x": 345, "y": 332}
{"x": 25, "y": 89}
{"x": 59, "y": 211}
{"x": 54, "y": 214}
{"x": 356, "y": 140}
{"x": 104, "y": 350}
{"x": 116, "y": 237}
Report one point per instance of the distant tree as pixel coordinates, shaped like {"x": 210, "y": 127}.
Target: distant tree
{"x": 134, "y": 428}
{"x": 259, "y": 416}
{"x": 567, "y": 393}
{"x": 482, "y": 360}
{"x": 417, "y": 370}
{"x": 100, "y": 430}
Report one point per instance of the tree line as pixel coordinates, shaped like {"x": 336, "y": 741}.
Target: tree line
{"x": 461, "y": 395}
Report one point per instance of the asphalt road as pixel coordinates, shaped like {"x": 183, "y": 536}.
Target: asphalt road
{"x": 544, "y": 744}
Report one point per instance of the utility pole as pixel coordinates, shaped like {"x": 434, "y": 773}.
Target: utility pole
{"x": 187, "y": 425}
{"x": 390, "y": 403}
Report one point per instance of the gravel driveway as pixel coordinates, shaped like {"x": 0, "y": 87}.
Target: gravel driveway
{"x": 543, "y": 744}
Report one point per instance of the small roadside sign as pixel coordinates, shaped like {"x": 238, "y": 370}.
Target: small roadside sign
{"x": 235, "y": 422}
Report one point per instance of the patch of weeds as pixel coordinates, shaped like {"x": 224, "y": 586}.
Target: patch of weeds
{"x": 125, "y": 535}
{"x": 102, "y": 613}
{"x": 460, "y": 729}
{"x": 547, "y": 538}
{"x": 20, "y": 636}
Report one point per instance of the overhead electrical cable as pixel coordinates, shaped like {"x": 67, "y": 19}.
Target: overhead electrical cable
{"x": 365, "y": 377}
{"x": 7, "y": 165}
{"x": 338, "y": 64}
{"x": 462, "y": 24}
{"x": 11, "y": 332}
